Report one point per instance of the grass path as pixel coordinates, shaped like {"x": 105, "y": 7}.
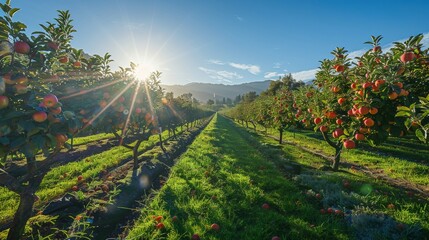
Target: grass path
{"x": 225, "y": 179}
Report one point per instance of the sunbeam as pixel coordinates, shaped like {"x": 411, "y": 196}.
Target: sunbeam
{"x": 130, "y": 112}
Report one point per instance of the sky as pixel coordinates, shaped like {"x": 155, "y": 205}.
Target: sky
{"x": 229, "y": 41}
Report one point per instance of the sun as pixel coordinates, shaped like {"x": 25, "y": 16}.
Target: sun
{"x": 144, "y": 70}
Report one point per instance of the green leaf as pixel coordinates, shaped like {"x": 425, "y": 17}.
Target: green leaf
{"x": 403, "y": 108}
{"x": 13, "y": 11}
{"x": 420, "y": 135}
{"x": 403, "y": 114}
{"x": 17, "y": 142}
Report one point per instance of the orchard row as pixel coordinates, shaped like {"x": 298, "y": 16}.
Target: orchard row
{"x": 50, "y": 91}
{"x": 369, "y": 98}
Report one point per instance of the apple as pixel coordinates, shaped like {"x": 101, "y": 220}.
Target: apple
{"x": 353, "y": 86}
{"x": 337, "y": 133}
{"x": 4, "y": 102}
{"x": 399, "y": 84}
{"x": 174, "y": 219}
{"x": 121, "y": 99}
{"x": 75, "y": 188}
{"x": 331, "y": 115}
{"x": 50, "y": 100}
{"x": 21, "y": 79}
{"x": 160, "y": 226}
{"x": 322, "y": 211}
{"x": 330, "y": 210}
{"x": 20, "y": 88}
{"x": 53, "y": 45}
{"x": 77, "y": 64}
{"x": 275, "y": 238}
{"x": 80, "y": 178}
{"x": 366, "y": 85}
{"x": 317, "y": 121}
{"x": 339, "y": 121}
{"x": 40, "y": 116}
{"x": 363, "y": 110}
{"x": 373, "y": 111}
{"x": 55, "y": 111}
{"x": 195, "y": 236}
{"x": 407, "y": 56}
{"x": 265, "y": 206}
{"x": 341, "y": 101}
{"x": 379, "y": 82}
{"x": 323, "y": 128}
{"x": 63, "y": 59}
{"x": 376, "y": 49}
{"x": 21, "y": 47}
{"x": 309, "y": 94}
{"x": 318, "y": 195}
{"x": 338, "y": 212}
{"x": 368, "y": 122}
{"x": 158, "y": 218}
{"x": 61, "y": 139}
{"x": 335, "y": 89}
{"x": 393, "y": 95}
{"x": 359, "y": 136}
{"x": 349, "y": 144}
{"x": 346, "y": 184}
{"x": 339, "y": 68}
{"x": 215, "y": 227}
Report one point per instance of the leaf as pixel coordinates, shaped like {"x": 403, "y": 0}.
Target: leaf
{"x": 403, "y": 114}
{"x": 13, "y": 11}
{"x": 420, "y": 135}
{"x": 403, "y": 108}
{"x": 17, "y": 142}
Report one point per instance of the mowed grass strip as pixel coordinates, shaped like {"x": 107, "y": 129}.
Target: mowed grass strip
{"x": 222, "y": 179}
{"x": 395, "y": 161}
{"x": 363, "y": 195}
{"x": 61, "y": 179}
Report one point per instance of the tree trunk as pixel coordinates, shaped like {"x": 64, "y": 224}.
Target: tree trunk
{"x": 337, "y": 156}
{"x": 247, "y": 124}
{"x": 281, "y": 136}
{"x": 136, "y": 153}
{"x": 26, "y": 201}
{"x": 24, "y": 212}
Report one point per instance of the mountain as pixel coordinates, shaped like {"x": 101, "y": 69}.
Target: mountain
{"x": 206, "y": 91}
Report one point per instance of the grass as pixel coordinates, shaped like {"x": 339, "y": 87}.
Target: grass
{"x": 398, "y": 158}
{"x": 91, "y": 138}
{"x": 61, "y": 179}
{"x": 365, "y": 197}
{"x": 223, "y": 178}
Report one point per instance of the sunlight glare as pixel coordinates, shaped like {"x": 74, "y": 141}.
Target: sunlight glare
{"x": 144, "y": 70}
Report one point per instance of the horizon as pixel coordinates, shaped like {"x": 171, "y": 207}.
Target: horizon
{"x": 230, "y": 43}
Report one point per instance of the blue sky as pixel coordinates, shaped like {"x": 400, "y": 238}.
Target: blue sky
{"x": 229, "y": 41}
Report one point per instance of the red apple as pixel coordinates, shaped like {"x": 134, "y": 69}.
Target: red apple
{"x": 317, "y": 120}
{"x": 21, "y": 47}
{"x": 195, "y": 237}
{"x": 63, "y": 59}
{"x": 349, "y": 144}
{"x": 160, "y": 226}
{"x": 407, "y": 56}
{"x": 80, "y": 178}
{"x": 215, "y": 227}
{"x": 275, "y": 238}
{"x": 75, "y": 188}
{"x": 341, "y": 101}
{"x": 53, "y": 45}
{"x": 363, "y": 110}
{"x": 368, "y": 122}
{"x": 4, "y": 102}
{"x": 55, "y": 111}
{"x": 40, "y": 116}
{"x": 50, "y": 100}
{"x": 265, "y": 206}
{"x": 323, "y": 128}
{"x": 359, "y": 136}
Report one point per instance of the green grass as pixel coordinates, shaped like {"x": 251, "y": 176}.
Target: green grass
{"x": 222, "y": 162}
{"x": 55, "y": 184}
{"x": 394, "y": 159}
{"x": 91, "y": 138}
{"x": 366, "y": 195}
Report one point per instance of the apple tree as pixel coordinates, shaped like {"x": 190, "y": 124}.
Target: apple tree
{"x": 32, "y": 124}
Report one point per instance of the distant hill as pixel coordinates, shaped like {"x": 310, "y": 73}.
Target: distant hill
{"x": 206, "y": 91}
